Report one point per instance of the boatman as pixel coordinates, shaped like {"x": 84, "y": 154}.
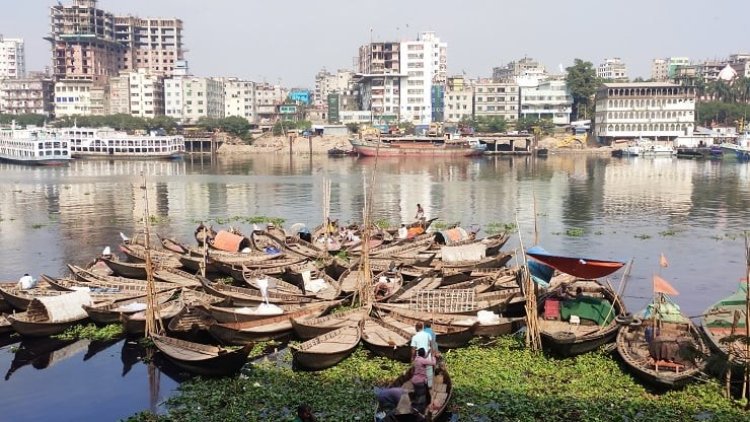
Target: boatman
{"x": 420, "y": 213}
{"x": 403, "y": 232}
{"x": 26, "y": 282}
{"x": 420, "y": 340}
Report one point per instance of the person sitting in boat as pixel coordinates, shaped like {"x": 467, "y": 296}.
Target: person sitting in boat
{"x": 388, "y": 398}
{"x": 26, "y": 282}
{"x": 382, "y": 288}
{"x": 304, "y": 414}
{"x": 420, "y": 214}
{"x": 419, "y": 379}
{"x": 403, "y": 232}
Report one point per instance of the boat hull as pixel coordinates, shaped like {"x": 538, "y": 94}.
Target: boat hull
{"x": 38, "y": 162}
{"x": 40, "y": 329}
{"x": 319, "y": 361}
{"x": 371, "y": 149}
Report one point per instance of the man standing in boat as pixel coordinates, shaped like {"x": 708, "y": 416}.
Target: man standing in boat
{"x": 420, "y": 214}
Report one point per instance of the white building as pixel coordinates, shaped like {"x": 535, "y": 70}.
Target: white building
{"x": 425, "y": 63}
{"x": 330, "y": 83}
{"x": 663, "y": 70}
{"x": 146, "y": 94}
{"x": 496, "y": 99}
{"x": 549, "y": 100}
{"x": 520, "y": 71}
{"x": 644, "y": 109}
{"x": 613, "y": 69}
{"x": 12, "y": 58}
{"x": 188, "y": 98}
{"x": 380, "y": 76}
{"x": 119, "y": 94}
{"x": 239, "y": 98}
{"x": 458, "y": 99}
{"x": 73, "y": 98}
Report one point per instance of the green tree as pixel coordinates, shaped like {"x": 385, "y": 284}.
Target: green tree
{"x": 407, "y": 127}
{"x": 490, "y": 124}
{"x": 582, "y": 83}
{"x": 238, "y": 126}
{"x": 23, "y": 119}
{"x": 529, "y": 123}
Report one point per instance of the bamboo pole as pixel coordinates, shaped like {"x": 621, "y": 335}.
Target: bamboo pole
{"x": 746, "y": 386}
{"x": 153, "y": 324}
{"x": 533, "y": 336}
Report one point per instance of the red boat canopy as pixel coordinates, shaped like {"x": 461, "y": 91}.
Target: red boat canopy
{"x": 575, "y": 266}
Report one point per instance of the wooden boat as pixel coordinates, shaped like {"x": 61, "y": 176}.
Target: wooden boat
{"x": 275, "y": 268}
{"x": 585, "y": 268}
{"x": 89, "y": 278}
{"x": 488, "y": 262}
{"x": 125, "y": 268}
{"x": 447, "y": 335}
{"x": 597, "y": 310}
{"x": 190, "y": 321}
{"x": 328, "y": 349}
{"x": 350, "y": 279}
{"x": 673, "y": 357}
{"x": 493, "y": 243}
{"x": 308, "y": 327}
{"x": 5, "y": 326}
{"x": 161, "y": 258}
{"x": 110, "y": 312}
{"x": 51, "y": 315}
{"x": 193, "y": 263}
{"x": 454, "y": 276}
{"x": 386, "y": 284}
{"x": 137, "y": 271}
{"x": 428, "y": 282}
{"x": 404, "y": 247}
{"x": 386, "y": 340}
{"x": 243, "y": 314}
{"x": 717, "y": 323}
{"x": 497, "y": 327}
{"x": 274, "y": 284}
{"x": 19, "y": 299}
{"x": 242, "y": 296}
{"x": 202, "y": 359}
{"x": 440, "y": 393}
{"x": 135, "y": 323}
{"x": 104, "y": 289}
{"x": 241, "y": 333}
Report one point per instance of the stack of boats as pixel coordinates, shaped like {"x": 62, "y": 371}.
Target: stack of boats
{"x": 275, "y": 285}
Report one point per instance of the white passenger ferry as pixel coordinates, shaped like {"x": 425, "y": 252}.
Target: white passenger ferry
{"x": 111, "y": 144}
{"x": 33, "y": 145}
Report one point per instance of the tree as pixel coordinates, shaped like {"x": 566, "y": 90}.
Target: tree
{"x": 23, "y": 119}
{"x": 237, "y": 126}
{"x": 582, "y": 83}
{"x": 407, "y": 127}
{"x": 528, "y": 124}
{"x": 491, "y": 124}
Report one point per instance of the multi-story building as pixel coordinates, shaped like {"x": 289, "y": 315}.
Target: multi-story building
{"x": 73, "y": 98}
{"x": 458, "y": 99}
{"x": 268, "y": 98}
{"x": 425, "y": 63}
{"x": 299, "y": 96}
{"x": 328, "y": 83}
{"x": 550, "y": 99}
{"x": 239, "y": 98}
{"x": 663, "y": 70}
{"x": 741, "y": 64}
{"x": 644, "y": 109}
{"x": 12, "y": 58}
{"x": 146, "y": 93}
{"x": 89, "y": 43}
{"x": 154, "y": 44}
{"x": 499, "y": 99}
{"x": 119, "y": 94}
{"x": 613, "y": 69}
{"x": 525, "y": 68}
{"x": 188, "y": 98}
{"x": 32, "y": 95}
{"x": 380, "y": 78}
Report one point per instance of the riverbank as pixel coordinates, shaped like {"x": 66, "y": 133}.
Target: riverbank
{"x": 319, "y": 145}
{"x": 492, "y": 382}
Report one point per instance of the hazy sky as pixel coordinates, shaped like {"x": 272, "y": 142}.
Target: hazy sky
{"x": 291, "y": 40}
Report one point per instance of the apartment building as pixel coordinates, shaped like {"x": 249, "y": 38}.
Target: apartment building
{"x": 146, "y": 93}
{"x": 458, "y": 99}
{"x": 613, "y": 69}
{"x": 119, "y": 94}
{"x": 73, "y": 97}
{"x": 32, "y": 95}
{"x": 239, "y": 98}
{"x": 188, "y": 98}
{"x": 496, "y": 99}
{"x": 645, "y": 109}
{"x": 12, "y": 58}
{"x": 268, "y": 99}
{"x": 550, "y": 99}
{"x": 663, "y": 70}
{"x": 525, "y": 68}
{"x": 380, "y": 78}
{"x": 328, "y": 83}
{"x": 425, "y": 63}
{"x": 89, "y": 43}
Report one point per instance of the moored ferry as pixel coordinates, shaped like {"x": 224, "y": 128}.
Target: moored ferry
{"x": 426, "y": 146}
{"x": 34, "y": 146}
{"x": 112, "y": 144}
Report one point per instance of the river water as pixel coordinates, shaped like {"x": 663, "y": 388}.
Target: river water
{"x": 694, "y": 212}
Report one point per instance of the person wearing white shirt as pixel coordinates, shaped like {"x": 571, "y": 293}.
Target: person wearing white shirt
{"x": 403, "y": 232}
{"x": 26, "y": 282}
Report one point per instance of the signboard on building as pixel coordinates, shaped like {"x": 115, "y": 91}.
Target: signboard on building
{"x": 333, "y": 108}
{"x": 288, "y": 109}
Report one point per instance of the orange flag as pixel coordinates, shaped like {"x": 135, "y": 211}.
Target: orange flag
{"x": 662, "y": 286}
{"x": 663, "y": 261}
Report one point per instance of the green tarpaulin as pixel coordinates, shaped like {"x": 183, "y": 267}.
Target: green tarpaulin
{"x": 588, "y": 308}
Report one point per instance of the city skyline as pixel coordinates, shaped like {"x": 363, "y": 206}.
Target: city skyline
{"x": 479, "y": 37}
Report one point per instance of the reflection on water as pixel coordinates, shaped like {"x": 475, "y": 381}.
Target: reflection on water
{"x": 693, "y": 211}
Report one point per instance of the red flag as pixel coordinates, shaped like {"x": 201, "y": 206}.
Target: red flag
{"x": 662, "y": 286}
{"x": 663, "y": 261}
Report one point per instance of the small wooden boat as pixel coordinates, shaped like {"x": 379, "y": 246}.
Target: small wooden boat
{"x": 202, "y": 359}
{"x": 243, "y": 314}
{"x": 428, "y": 282}
{"x": 273, "y": 284}
{"x": 242, "y": 296}
{"x": 447, "y": 335}
{"x": 386, "y": 285}
{"x": 90, "y": 278}
{"x": 51, "y": 315}
{"x": 241, "y": 333}
{"x": 125, "y": 268}
{"x": 309, "y": 327}
{"x": 662, "y": 346}
{"x": 275, "y": 268}
{"x": 5, "y": 326}
{"x": 440, "y": 393}
{"x": 328, "y": 349}
{"x": 584, "y": 268}
{"x": 454, "y": 276}
{"x": 161, "y": 258}
{"x": 19, "y": 299}
{"x": 190, "y": 321}
{"x": 350, "y": 279}
{"x": 717, "y": 323}
{"x": 596, "y": 311}
{"x": 387, "y": 340}
{"x": 488, "y": 262}
{"x": 135, "y": 323}
{"x": 111, "y": 312}
{"x": 104, "y": 289}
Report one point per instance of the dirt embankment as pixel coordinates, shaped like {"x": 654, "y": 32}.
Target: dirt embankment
{"x": 280, "y": 144}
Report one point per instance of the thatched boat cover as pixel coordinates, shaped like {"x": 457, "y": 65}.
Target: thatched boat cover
{"x": 472, "y": 252}
{"x": 229, "y": 242}
{"x": 61, "y": 308}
